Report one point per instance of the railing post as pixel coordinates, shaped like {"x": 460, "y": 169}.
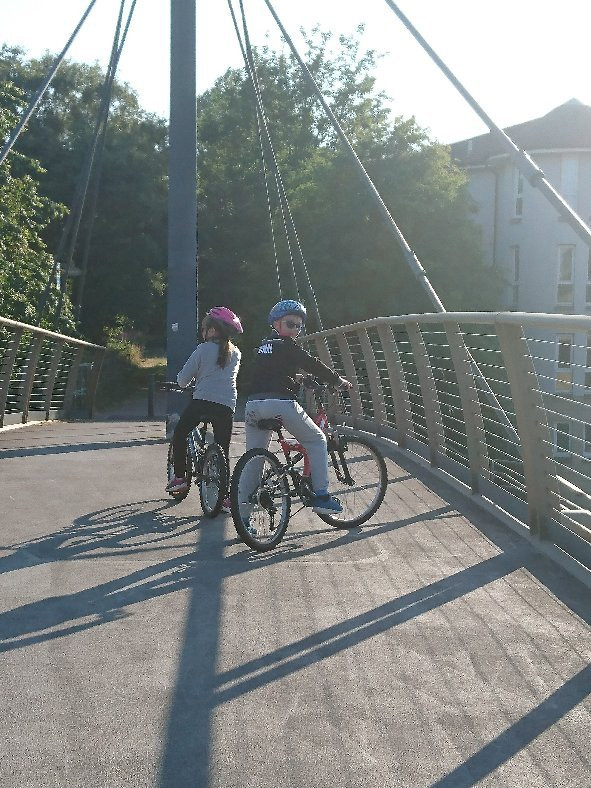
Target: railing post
{"x": 93, "y": 379}
{"x": 323, "y": 351}
{"x": 7, "y": 367}
{"x": 397, "y": 384}
{"x": 477, "y": 453}
{"x": 532, "y": 426}
{"x": 349, "y": 367}
{"x": 32, "y": 362}
{"x": 52, "y": 374}
{"x": 72, "y": 378}
{"x": 428, "y": 391}
{"x": 333, "y": 402}
{"x": 375, "y": 384}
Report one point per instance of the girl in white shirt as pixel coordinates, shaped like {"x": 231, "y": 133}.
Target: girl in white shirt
{"x": 213, "y": 366}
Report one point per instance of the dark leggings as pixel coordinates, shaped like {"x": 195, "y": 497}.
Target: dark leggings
{"x": 219, "y": 416}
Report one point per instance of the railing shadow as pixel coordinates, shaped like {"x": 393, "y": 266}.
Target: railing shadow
{"x": 202, "y": 569}
{"x": 520, "y": 734}
{"x": 70, "y": 448}
{"x": 127, "y": 529}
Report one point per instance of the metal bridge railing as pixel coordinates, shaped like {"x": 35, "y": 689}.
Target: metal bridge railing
{"x": 499, "y": 401}
{"x": 44, "y": 375}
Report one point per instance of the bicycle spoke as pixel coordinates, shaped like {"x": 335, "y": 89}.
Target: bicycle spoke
{"x": 260, "y": 499}
{"x": 367, "y": 471}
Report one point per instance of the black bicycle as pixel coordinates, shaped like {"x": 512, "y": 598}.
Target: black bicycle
{"x": 263, "y": 487}
{"x": 206, "y": 466}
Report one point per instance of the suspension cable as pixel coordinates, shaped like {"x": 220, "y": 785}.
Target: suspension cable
{"x": 261, "y": 145}
{"x": 72, "y": 227}
{"x": 87, "y": 172}
{"x": 263, "y": 119}
{"x": 280, "y": 186}
{"x": 39, "y": 94}
{"x": 520, "y": 158}
{"x": 409, "y": 255}
{"x": 91, "y": 210}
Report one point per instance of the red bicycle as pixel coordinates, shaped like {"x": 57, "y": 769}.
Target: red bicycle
{"x": 263, "y": 486}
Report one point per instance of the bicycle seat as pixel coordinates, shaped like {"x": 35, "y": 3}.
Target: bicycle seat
{"x": 270, "y": 424}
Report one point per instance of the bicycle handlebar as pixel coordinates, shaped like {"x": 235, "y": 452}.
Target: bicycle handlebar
{"x": 172, "y": 385}
{"x": 312, "y": 383}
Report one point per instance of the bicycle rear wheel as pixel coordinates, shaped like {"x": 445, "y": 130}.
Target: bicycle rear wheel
{"x": 358, "y": 477}
{"x": 260, "y": 500}
{"x": 214, "y": 480}
{"x": 170, "y": 473}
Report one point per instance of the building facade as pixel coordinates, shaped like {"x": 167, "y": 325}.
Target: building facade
{"x": 546, "y": 267}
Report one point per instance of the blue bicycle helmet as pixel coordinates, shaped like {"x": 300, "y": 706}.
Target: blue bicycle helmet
{"x": 287, "y": 307}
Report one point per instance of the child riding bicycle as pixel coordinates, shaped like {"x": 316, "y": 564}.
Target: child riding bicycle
{"x": 273, "y": 393}
{"x": 213, "y": 366}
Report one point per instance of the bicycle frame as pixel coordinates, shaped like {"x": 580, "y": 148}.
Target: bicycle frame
{"x": 196, "y": 443}
{"x": 291, "y": 445}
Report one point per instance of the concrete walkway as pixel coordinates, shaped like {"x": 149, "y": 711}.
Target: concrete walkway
{"x": 144, "y": 646}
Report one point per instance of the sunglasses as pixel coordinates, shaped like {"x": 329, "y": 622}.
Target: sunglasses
{"x": 291, "y": 324}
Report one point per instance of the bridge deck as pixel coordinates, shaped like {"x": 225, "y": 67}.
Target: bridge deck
{"x": 144, "y": 646}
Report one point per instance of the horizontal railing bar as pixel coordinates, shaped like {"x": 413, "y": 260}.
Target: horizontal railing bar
{"x": 580, "y": 323}
{"x": 4, "y": 321}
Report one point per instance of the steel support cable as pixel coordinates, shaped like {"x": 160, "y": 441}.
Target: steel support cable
{"x": 519, "y": 157}
{"x": 73, "y": 217}
{"x": 281, "y": 191}
{"x": 102, "y": 118}
{"x": 40, "y": 92}
{"x": 409, "y": 255}
{"x": 91, "y": 211}
{"x": 281, "y": 196}
{"x": 261, "y": 145}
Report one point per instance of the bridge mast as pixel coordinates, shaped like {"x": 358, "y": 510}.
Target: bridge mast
{"x": 181, "y": 333}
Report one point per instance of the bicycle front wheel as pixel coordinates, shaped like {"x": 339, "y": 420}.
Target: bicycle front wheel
{"x": 170, "y": 473}
{"x": 260, "y": 499}
{"x": 214, "y": 480}
{"x": 358, "y": 477}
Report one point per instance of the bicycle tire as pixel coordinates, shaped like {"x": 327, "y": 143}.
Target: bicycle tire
{"x": 363, "y": 498}
{"x": 214, "y": 480}
{"x": 170, "y": 473}
{"x": 255, "y": 514}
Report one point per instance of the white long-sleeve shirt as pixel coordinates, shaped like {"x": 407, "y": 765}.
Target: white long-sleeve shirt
{"x": 212, "y": 382}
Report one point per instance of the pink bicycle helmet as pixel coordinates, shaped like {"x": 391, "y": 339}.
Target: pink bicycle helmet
{"x": 226, "y": 316}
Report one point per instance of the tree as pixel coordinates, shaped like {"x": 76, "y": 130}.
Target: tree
{"x": 355, "y": 264}
{"x": 127, "y": 261}
{"x": 25, "y": 264}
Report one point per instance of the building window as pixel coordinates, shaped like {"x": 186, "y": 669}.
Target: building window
{"x": 569, "y": 180}
{"x": 564, "y": 362}
{"x": 515, "y": 277}
{"x": 518, "y": 189}
{"x": 565, "y": 291}
{"x": 587, "y": 439}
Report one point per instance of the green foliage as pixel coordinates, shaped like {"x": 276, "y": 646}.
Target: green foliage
{"x": 25, "y": 264}
{"x": 354, "y": 262}
{"x": 128, "y": 253}
{"x": 125, "y": 370}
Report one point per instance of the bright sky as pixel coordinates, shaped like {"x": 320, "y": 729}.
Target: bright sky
{"x": 518, "y": 58}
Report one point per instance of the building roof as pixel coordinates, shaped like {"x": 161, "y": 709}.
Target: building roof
{"x": 566, "y": 127}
